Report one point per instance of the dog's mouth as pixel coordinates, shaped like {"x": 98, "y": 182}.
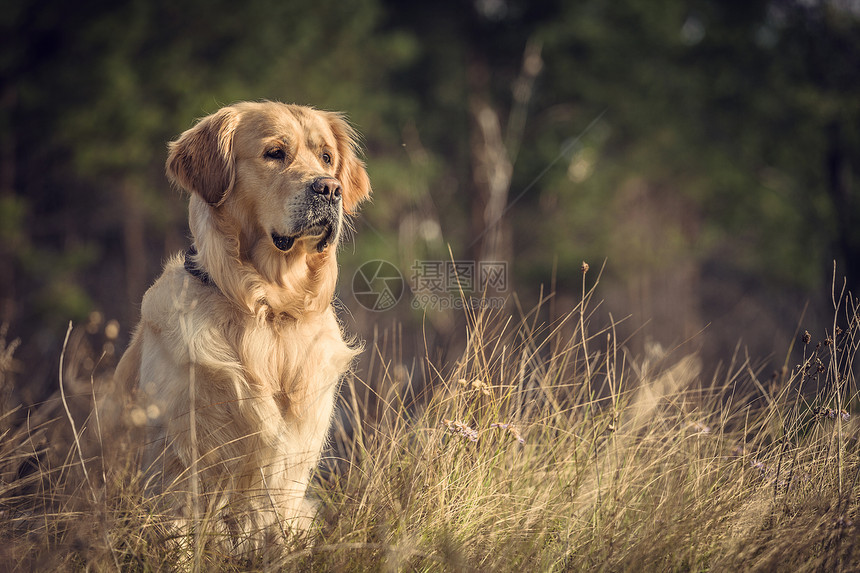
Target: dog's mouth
{"x": 322, "y": 231}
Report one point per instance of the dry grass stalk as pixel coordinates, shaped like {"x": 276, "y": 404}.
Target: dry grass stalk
{"x": 544, "y": 447}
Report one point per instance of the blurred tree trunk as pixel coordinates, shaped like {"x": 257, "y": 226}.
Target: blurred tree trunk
{"x": 495, "y": 150}
{"x": 492, "y": 170}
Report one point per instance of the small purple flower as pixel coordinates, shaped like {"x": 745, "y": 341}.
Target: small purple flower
{"x": 832, "y": 414}
{"x": 459, "y": 428}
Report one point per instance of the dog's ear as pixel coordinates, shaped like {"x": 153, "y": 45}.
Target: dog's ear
{"x": 201, "y": 160}
{"x": 351, "y": 171}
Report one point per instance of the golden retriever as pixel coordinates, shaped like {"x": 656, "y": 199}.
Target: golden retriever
{"x": 238, "y": 354}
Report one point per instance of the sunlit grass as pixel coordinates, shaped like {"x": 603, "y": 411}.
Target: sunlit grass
{"x": 544, "y": 447}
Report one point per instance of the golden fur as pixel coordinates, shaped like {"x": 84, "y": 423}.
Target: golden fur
{"x": 238, "y": 374}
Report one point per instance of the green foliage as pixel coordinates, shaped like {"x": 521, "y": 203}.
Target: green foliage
{"x": 12, "y": 216}
{"x": 94, "y": 95}
{"x": 712, "y": 146}
{"x": 698, "y": 104}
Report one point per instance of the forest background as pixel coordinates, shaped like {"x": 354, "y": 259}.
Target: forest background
{"x": 702, "y": 157}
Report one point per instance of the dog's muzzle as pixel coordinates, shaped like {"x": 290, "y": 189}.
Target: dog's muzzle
{"x": 323, "y": 217}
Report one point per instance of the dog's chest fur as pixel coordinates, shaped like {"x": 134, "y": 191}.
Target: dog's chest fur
{"x": 275, "y": 379}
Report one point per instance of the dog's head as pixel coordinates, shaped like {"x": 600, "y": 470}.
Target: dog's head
{"x": 286, "y": 174}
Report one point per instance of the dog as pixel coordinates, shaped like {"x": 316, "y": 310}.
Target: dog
{"x": 237, "y": 358}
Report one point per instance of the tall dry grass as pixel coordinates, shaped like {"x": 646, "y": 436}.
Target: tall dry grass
{"x": 544, "y": 447}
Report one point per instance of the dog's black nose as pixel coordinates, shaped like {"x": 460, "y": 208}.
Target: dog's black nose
{"x": 327, "y": 187}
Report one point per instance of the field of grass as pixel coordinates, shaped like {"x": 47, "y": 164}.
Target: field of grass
{"x": 545, "y": 447}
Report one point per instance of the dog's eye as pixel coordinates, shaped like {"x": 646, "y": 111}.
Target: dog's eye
{"x": 326, "y": 158}
{"x": 277, "y": 154}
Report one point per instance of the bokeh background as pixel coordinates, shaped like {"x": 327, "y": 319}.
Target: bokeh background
{"x": 702, "y": 156}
